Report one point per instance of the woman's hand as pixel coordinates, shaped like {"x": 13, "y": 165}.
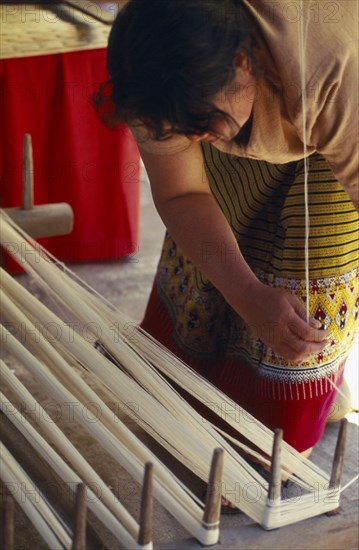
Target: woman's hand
{"x": 279, "y": 319}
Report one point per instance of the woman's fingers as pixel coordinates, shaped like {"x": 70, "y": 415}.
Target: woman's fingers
{"x": 300, "y": 350}
{"x": 294, "y": 356}
{"x": 283, "y": 325}
{"x": 310, "y": 331}
{"x": 303, "y": 314}
{"x": 305, "y": 331}
{"x": 315, "y": 323}
{"x": 302, "y": 340}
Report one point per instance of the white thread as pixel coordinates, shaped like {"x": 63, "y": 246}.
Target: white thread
{"x": 106, "y": 515}
{"x": 302, "y": 36}
{"x": 137, "y": 357}
{"x": 349, "y": 483}
{"x": 33, "y": 502}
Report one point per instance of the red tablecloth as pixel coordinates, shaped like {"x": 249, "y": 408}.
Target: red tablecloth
{"x": 76, "y": 159}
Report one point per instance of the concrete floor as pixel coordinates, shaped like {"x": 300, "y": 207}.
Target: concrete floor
{"x": 127, "y": 283}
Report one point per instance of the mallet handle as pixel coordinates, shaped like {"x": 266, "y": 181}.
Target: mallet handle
{"x": 27, "y": 174}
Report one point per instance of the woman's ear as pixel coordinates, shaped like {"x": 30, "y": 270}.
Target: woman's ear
{"x": 242, "y": 63}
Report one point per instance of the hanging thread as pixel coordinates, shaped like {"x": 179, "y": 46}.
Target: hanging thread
{"x": 302, "y": 58}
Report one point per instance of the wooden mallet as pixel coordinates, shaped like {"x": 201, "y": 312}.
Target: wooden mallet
{"x": 45, "y": 220}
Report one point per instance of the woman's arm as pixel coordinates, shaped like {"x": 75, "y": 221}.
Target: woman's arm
{"x": 184, "y": 201}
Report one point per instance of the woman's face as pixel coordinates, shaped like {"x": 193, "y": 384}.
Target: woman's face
{"x": 236, "y": 100}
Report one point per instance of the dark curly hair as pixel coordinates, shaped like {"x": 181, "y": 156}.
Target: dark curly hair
{"x": 168, "y": 58}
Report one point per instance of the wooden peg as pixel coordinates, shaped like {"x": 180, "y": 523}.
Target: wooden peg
{"x": 275, "y": 478}
{"x": 79, "y": 538}
{"x": 27, "y": 174}
{"x": 145, "y": 533}
{"x": 44, "y": 220}
{"x": 212, "y": 510}
{"x": 8, "y": 524}
{"x": 338, "y": 461}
